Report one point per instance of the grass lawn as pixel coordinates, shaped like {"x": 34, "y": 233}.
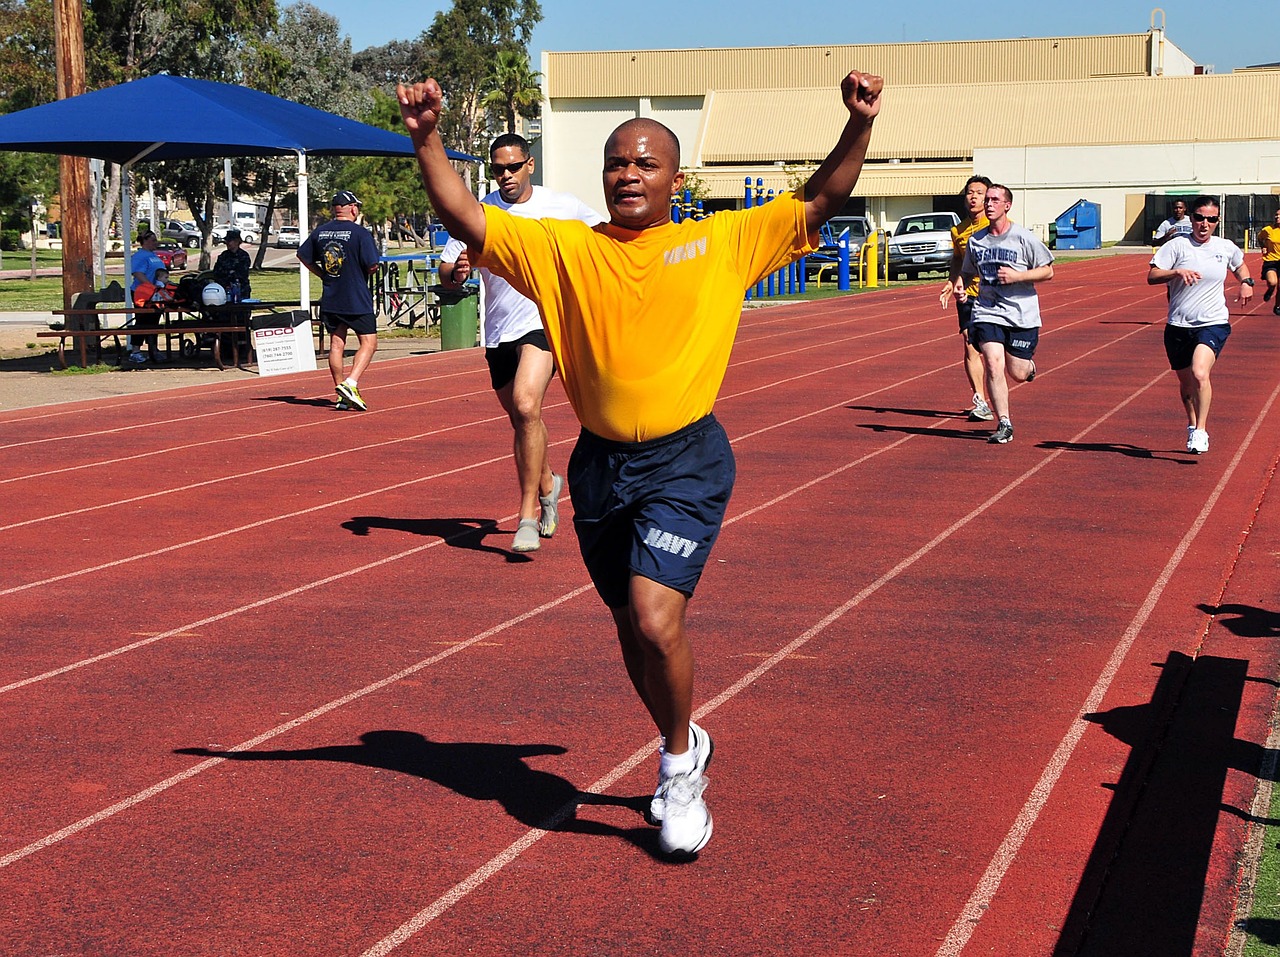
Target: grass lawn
{"x": 44, "y": 293}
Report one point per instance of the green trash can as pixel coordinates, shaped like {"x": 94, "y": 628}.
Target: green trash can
{"x": 459, "y": 318}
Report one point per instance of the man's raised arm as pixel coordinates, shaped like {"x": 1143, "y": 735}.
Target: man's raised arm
{"x": 420, "y": 107}
{"x": 832, "y": 182}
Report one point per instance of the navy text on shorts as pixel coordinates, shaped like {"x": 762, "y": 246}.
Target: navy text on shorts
{"x": 1017, "y": 342}
{"x": 652, "y": 509}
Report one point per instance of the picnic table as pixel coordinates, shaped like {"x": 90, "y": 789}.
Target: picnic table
{"x": 176, "y": 321}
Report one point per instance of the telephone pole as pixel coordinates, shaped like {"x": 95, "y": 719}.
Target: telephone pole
{"x": 73, "y": 171}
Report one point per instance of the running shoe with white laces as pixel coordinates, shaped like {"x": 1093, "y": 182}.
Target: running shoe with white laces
{"x": 549, "y": 520}
{"x": 981, "y": 412}
{"x": 686, "y": 822}
{"x": 703, "y": 748}
{"x": 1199, "y": 442}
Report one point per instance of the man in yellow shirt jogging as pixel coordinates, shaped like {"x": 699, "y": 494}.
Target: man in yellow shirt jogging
{"x": 640, "y": 314}
{"x": 1269, "y": 240}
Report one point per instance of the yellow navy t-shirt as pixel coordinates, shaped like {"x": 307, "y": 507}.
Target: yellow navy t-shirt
{"x": 641, "y": 323}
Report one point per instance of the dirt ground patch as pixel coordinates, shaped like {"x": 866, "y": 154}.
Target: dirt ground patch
{"x": 31, "y": 376}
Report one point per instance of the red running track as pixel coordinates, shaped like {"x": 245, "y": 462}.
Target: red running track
{"x": 272, "y": 683}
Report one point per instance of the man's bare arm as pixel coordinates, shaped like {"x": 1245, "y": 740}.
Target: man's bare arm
{"x": 420, "y": 107}
{"x": 832, "y": 182}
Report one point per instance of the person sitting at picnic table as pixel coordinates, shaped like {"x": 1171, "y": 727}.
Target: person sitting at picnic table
{"x": 233, "y": 265}
{"x": 143, "y": 266}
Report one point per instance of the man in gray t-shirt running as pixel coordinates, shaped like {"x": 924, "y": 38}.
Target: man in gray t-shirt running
{"x": 1008, "y": 261}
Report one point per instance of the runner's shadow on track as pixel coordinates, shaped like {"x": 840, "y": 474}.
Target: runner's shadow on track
{"x": 476, "y": 770}
{"x": 467, "y": 533}
{"x": 1249, "y": 621}
{"x": 921, "y": 413}
{"x": 976, "y": 435}
{"x": 297, "y": 400}
{"x": 1144, "y": 886}
{"x": 1119, "y": 448}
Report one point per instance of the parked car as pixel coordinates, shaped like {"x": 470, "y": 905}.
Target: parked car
{"x": 248, "y": 232}
{"x": 828, "y": 250}
{"x": 920, "y": 243}
{"x": 184, "y": 233}
{"x": 288, "y": 236}
{"x": 173, "y": 255}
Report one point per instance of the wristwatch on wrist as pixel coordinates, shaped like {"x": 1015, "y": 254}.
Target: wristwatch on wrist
{"x": 1246, "y": 282}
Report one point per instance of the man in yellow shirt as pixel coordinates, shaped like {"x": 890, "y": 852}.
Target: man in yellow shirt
{"x": 1269, "y": 240}
{"x": 640, "y": 314}
{"x": 975, "y": 193}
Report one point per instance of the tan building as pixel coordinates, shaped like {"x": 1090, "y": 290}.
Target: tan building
{"x": 1108, "y": 119}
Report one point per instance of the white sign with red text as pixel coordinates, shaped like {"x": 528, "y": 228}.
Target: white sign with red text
{"x": 287, "y": 349}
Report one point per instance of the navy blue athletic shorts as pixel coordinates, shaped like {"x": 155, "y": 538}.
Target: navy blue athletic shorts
{"x": 652, "y": 508}
{"x": 362, "y": 324}
{"x": 1180, "y": 342}
{"x": 1017, "y": 342}
{"x": 504, "y": 358}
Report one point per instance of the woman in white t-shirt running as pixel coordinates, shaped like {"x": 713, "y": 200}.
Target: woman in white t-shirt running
{"x": 1196, "y": 267}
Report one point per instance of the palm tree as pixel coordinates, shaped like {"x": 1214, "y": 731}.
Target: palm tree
{"x": 513, "y": 87}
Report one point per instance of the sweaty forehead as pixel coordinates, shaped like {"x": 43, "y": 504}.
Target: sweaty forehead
{"x": 642, "y": 138}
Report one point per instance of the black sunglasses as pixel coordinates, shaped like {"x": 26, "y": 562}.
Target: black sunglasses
{"x": 500, "y": 168}
{"x": 1200, "y": 218}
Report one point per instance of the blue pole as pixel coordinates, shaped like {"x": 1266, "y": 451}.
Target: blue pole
{"x": 843, "y": 244}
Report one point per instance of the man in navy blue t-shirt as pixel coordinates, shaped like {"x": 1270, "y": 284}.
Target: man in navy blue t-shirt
{"x": 343, "y": 254}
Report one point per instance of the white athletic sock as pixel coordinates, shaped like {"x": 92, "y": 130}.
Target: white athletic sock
{"x": 672, "y": 764}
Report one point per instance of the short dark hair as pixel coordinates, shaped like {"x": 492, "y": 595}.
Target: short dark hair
{"x": 1200, "y": 202}
{"x": 510, "y": 139}
{"x": 976, "y": 179}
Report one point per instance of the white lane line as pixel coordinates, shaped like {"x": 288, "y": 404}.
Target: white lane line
{"x": 60, "y": 835}
{"x": 967, "y": 922}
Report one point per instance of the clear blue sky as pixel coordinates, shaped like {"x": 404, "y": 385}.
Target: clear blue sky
{"x": 1227, "y": 34}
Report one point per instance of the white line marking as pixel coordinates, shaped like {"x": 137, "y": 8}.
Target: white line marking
{"x": 1005, "y": 854}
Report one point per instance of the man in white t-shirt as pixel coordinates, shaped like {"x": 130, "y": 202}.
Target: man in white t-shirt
{"x": 516, "y": 349}
{"x": 1196, "y": 267}
{"x": 1178, "y": 224}
{"x": 1008, "y": 261}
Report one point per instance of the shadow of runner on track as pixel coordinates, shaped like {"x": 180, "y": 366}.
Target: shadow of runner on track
{"x": 467, "y": 533}
{"x": 1120, "y": 448}
{"x": 981, "y": 433}
{"x": 1143, "y": 887}
{"x": 1250, "y": 621}
{"x": 476, "y": 770}
{"x": 298, "y": 400}
{"x": 922, "y": 413}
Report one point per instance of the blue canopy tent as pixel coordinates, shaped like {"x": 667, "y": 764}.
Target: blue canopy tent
{"x": 171, "y": 117}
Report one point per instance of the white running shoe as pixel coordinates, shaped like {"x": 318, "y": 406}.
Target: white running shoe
{"x": 1199, "y": 441}
{"x": 703, "y": 748}
{"x": 686, "y": 822}
{"x": 549, "y": 519}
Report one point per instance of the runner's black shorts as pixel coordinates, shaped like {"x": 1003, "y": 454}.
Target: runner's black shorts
{"x": 1180, "y": 342}
{"x": 362, "y": 324}
{"x": 1017, "y": 342}
{"x": 504, "y": 358}
{"x": 652, "y": 509}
